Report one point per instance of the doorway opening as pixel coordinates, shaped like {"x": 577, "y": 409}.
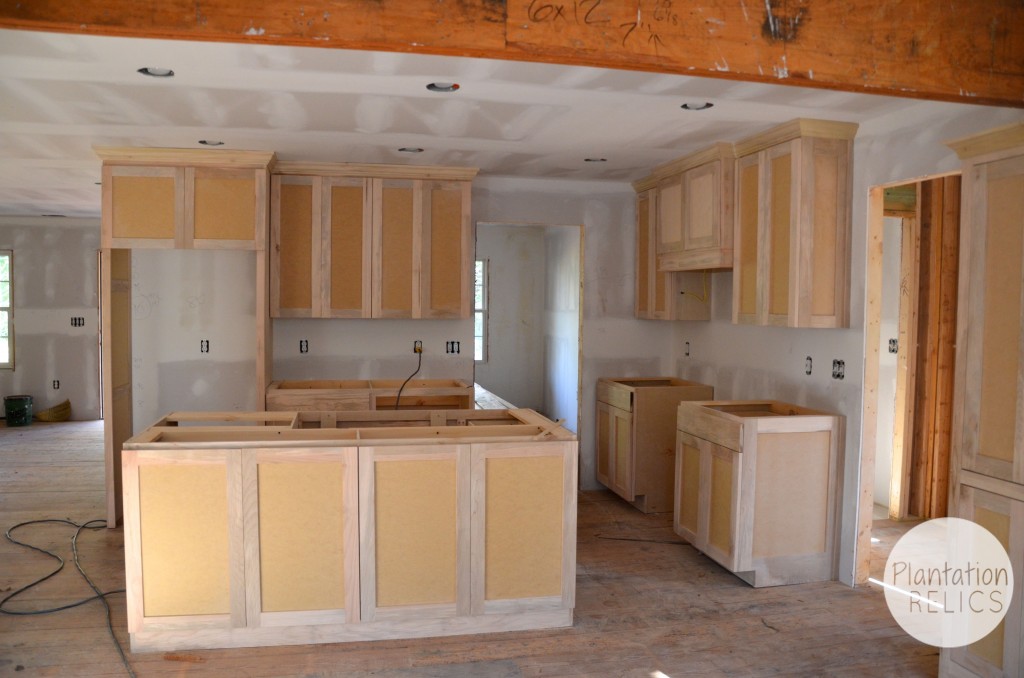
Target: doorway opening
{"x": 910, "y": 338}
{"x": 534, "y": 316}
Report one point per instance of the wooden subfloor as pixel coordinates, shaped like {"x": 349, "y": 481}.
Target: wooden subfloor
{"x": 646, "y": 603}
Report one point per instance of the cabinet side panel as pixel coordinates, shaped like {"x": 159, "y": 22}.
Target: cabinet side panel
{"x": 446, "y": 255}
{"x": 824, "y": 262}
{"x": 779, "y": 242}
{"x": 346, "y": 247}
{"x": 791, "y": 502}
{"x": 643, "y": 259}
{"x": 144, "y": 207}
{"x": 414, "y": 510}
{"x": 523, "y": 534}
{"x": 225, "y": 206}
{"x": 990, "y": 648}
{"x": 302, "y": 559}
{"x": 396, "y": 249}
{"x": 183, "y": 513}
{"x": 604, "y": 423}
{"x": 296, "y": 256}
{"x": 1004, "y": 252}
{"x": 747, "y": 238}
{"x": 623, "y": 425}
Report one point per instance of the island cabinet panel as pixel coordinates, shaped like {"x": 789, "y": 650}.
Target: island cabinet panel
{"x": 380, "y": 242}
{"x": 792, "y": 225}
{"x": 987, "y": 461}
{"x": 304, "y": 507}
{"x": 525, "y": 518}
{"x": 184, "y": 199}
{"x": 365, "y": 527}
{"x": 636, "y": 436}
{"x": 415, "y": 532}
{"x": 757, "y": 486}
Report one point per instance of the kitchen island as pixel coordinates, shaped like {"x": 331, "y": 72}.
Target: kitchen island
{"x": 266, "y": 528}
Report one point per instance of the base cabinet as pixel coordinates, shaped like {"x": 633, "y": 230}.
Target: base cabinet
{"x": 252, "y": 545}
{"x": 756, "y": 486}
{"x": 635, "y": 436}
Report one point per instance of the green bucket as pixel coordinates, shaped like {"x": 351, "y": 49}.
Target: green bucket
{"x": 18, "y": 410}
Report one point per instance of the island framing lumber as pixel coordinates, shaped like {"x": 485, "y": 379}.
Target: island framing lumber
{"x": 248, "y": 529}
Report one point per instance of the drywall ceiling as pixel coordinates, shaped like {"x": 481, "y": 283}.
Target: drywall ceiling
{"x": 62, "y": 94}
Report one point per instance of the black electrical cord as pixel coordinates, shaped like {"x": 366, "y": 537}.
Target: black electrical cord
{"x": 100, "y": 595}
{"x": 419, "y": 363}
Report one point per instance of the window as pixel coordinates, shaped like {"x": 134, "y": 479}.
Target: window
{"x": 480, "y": 311}
{"x": 6, "y": 335}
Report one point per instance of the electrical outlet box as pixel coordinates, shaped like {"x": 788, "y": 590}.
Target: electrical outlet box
{"x": 838, "y": 369}
{"x": 204, "y": 345}
{"x": 417, "y": 346}
{"x": 303, "y": 345}
{"x": 56, "y": 384}
{"x": 894, "y": 345}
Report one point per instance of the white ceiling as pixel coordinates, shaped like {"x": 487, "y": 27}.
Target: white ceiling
{"x": 62, "y": 94}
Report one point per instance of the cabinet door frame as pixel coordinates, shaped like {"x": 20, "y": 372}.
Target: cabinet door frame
{"x": 756, "y": 317}
{"x": 110, "y": 173}
{"x": 767, "y": 233}
{"x": 732, "y": 559}
{"x": 671, "y": 215}
{"x": 138, "y": 622}
{"x": 369, "y": 457}
{"x": 699, "y": 537}
{"x": 380, "y": 265}
{"x": 566, "y": 599}
{"x": 316, "y": 285}
{"x": 251, "y": 461}
{"x": 466, "y": 251}
{"x": 713, "y": 240}
{"x": 327, "y": 184}
{"x": 259, "y": 205}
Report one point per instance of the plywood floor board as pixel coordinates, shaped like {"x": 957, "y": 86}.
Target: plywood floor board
{"x": 645, "y": 602}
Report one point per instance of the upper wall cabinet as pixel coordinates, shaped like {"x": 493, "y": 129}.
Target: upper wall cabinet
{"x": 792, "y": 225}
{"x": 371, "y": 241}
{"x": 664, "y": 295}
{"x": 184, "y": 198}
{"x": 694, "y": 213}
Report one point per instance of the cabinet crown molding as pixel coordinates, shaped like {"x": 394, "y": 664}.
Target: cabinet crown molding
{"x": 794, "y": 129}
{"x": 719, "y": 151}
{"x": 376, "y": 171}
{"x": 133, "y": 155}
{"x": 991, "y": 141}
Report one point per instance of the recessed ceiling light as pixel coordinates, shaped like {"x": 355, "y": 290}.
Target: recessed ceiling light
{"x": 156, "y": 72}
{"x": 211, "y": 142}
{"x": 595, "y": 159}
{"x": 410, "y": 149}
{"x": 696, "y": 105}
{"x": 443, "y": 86}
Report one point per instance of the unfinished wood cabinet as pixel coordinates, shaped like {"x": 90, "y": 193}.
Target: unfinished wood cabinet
{"x": 695, "y": 222}
{"x": 792, "y": 225}
{"x": 247, "y": 529}
{"x": 371, "y": 241}
{"x": 664, "y": 295}
{"x": 987, "y": 480}
{"x": 184, "y": 199}
{"x": 756, "y": 488}
{"x": 636, "y": 436}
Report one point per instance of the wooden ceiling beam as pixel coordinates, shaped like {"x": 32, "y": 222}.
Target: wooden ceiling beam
{"x": 969, "y": 51}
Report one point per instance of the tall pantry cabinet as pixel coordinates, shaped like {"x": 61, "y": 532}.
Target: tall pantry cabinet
{"x": 987, "y": 468}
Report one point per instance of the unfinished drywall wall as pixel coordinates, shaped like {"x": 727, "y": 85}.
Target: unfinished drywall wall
{"x": 371, "y": 348}
{"x": 614, "y": 343}
{"x": 892, "y": 241}
{"x": 562, "y": 323}
{"x": 768, "y": 362}
{"x": 55, "y": 279}
{"x": 517, "y": 269}
{"x": 181, "y": 298}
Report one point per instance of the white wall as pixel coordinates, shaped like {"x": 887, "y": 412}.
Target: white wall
{"x": 179, "y": 298}
{"x": 614, "y": 342}
{"x": 892, "y": 238}
{"x": 562, "y": 324}
{"x": 55, "y": 279}
{"x": 768, "y": 362}
{"x": 517, "y": 274}
{"x": 371, "y": 348}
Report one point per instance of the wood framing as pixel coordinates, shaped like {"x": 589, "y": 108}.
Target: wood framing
{"x": 948, "y": 52}
{"x": 390, "y": 529}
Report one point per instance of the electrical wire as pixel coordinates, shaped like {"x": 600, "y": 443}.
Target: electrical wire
{"x": 704, "y": 298}
{"x": 100, "y": 595}
{"x": 419, "y": 364}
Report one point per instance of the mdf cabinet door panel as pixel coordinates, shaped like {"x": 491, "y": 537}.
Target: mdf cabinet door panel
{"x": 143, "y": 206}
{"x": 226, "y": 208}
{"x": 295, "y": 247}
{"x": 348, "y": 247}
{"x": 397, "y": 207}
{"x": 447, "y": 257}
